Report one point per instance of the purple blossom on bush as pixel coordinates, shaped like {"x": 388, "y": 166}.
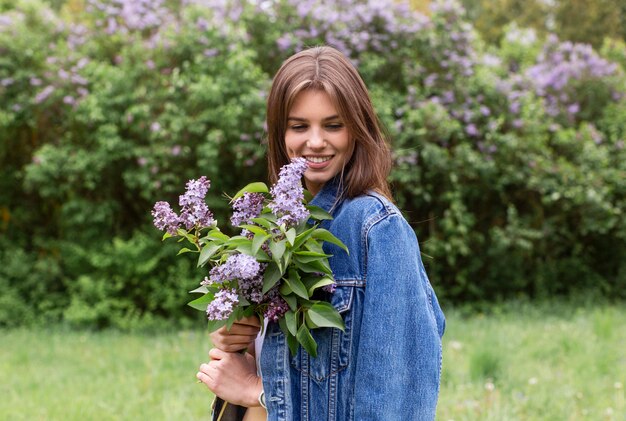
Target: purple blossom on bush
{"x": 165, "y": 218}
{"x": 564, "y": 72}
{"x": 222, "y": 305}
{"x": 288, "y": 193}
{"x": 236, "y": 267}
{"x": 44, "y": 94}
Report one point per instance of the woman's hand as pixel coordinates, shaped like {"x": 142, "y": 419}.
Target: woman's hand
{"x": 232, "y": 377}
{"x": 240, "y": 336}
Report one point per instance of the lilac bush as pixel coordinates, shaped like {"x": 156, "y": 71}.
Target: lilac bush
{"x": 573, "y": 79}
{"x": 506, "y": 149}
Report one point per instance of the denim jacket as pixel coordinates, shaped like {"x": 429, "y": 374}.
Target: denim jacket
{"x": 386, "y": 365}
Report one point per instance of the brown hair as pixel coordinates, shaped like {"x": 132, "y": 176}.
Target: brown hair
{"x": 327, "y": 69}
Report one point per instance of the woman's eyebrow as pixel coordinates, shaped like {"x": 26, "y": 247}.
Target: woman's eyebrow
{"x": 332, "y": 117}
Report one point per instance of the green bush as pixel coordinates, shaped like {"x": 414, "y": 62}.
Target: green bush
{"x": 509, "y": 160}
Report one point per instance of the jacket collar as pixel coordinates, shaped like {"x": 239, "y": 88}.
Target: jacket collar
{"x": 329, "y": 197}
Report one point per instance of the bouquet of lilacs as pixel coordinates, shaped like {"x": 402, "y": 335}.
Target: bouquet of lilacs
{"x": 274, "y": 268}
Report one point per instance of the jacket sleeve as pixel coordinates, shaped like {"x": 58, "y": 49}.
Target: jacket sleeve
{"x": 398, "y": 362}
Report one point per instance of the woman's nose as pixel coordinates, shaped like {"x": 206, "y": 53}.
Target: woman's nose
{"x": 316, "y": 139}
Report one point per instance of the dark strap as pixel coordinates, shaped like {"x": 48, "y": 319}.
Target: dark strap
{"x": 225, "y": 411}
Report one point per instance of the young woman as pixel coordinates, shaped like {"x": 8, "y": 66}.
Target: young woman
{"x": 387, "y": 363}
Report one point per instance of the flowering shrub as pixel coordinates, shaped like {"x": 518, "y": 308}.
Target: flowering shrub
{"x": 272, "y": 269}
{"x": 509, "y": 159}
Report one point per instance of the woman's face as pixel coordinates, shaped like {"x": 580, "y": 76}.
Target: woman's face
{"x": 316, "y": 132}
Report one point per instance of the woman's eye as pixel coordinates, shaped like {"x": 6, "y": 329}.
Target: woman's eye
{"x": 334, "y": 126}
{"x": 298, "y": 127}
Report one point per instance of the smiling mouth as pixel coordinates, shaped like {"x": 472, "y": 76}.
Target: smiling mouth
{"x": 318, "y": 159}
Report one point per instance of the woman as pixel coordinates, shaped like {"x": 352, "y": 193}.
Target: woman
{"x": 387, "y": 363}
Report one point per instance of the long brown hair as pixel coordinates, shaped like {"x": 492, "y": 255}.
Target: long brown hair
{"x": 326, "y": 69}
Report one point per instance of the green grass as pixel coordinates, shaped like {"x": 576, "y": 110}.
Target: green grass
{"x": 559, "y": 362}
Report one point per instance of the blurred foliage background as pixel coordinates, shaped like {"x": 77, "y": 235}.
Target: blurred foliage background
{"x": 507, "y": 121}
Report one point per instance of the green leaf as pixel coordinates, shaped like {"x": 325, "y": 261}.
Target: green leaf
{"x": 216, "y": 235}
{"x": 202, "y": 289}
{"x": 302, "y": 237}
{"x": 234, "y": 316}
{"x": 296, "y": 285}
{"x": 285, "y": 289}
{"x": 306, "y": 340}
{"x": 184, "y": 250}
{"x": 315, "y": 246}
{"x": 283, "y": 325}
{"x": 207, "y": 252}
{"x": 202, "y": 303}
{"x": 278, "y": 249}
{"x": 319, "y": 283}
{"x": 323, "y": 314}
{"x": 325, "y": 235}
{"x": 271, "y": 276}
{"x": 258, "y": 241}
{"x": 215, "y": 324}
{"x": 262, "y": 222}
{"x": 292, "y": 300}
{"x": 291, "y": 322}
{"x": 291, "y": 236}
{"x": 254, "y": 229}
{"x": 318, "y": 213}
{"x": 166, "y": 236}
{"x": 292, "y": 342}
{"x": 309, "y": 256}
{"x": 312, "y": 267}
{"x": 237, "y": 241}
{"x": 257, "y": 187}
{"x": 309, "y": 323}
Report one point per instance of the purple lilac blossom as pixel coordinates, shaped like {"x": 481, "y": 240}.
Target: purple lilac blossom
{"x": 288, "y": 193}
{"x": 561, "y": 68}
{"x": 43, "y": 95}
{"x": 330, "y": 288}
{"x": 222, "y": 305}
{"x": 195, "y": 211}
{"x": 165, "y": 218}
{"x": 252, "y": 288}
{"x": 246, "y": 207}
{"x": 237, "y": 266}
{"x": 276, "y": 306}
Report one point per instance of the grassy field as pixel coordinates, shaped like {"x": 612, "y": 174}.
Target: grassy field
{"x": 559, "y": 362}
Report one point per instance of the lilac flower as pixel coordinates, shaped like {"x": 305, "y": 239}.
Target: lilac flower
{"x": 277, "y": 306}
{"x": 472, "y": 130}
{"x": 252, "y": 288}
{"x": 165, "y": 218}
{"x": 195, "y": 211}
{"x": 287, "y": 194}
{"x": 330, "y": 288}
{"x": 222, "y": 305}
{"x": 236, "y": 267}
{"x": 246, "y": 207}
{"x": 43, "y": 95}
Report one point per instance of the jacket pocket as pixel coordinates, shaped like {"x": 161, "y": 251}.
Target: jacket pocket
{"x": 333, "y": 346}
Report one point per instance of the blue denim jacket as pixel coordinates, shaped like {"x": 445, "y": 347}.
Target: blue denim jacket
{"x": 387, "y": 363}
